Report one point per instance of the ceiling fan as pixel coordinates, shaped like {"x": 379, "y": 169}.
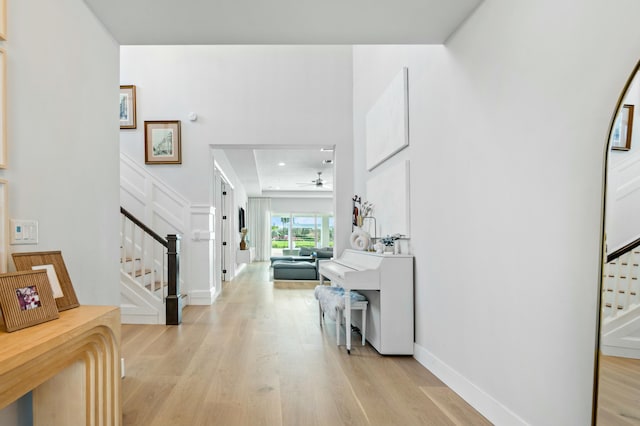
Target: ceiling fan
{"x": 318, "y": 182}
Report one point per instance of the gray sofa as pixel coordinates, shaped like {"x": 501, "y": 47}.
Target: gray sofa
{"x": 303, "y": 267}
{"x": 307, "y": 254}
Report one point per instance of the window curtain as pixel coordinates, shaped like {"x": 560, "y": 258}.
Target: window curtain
{"x": 259, "y": 229}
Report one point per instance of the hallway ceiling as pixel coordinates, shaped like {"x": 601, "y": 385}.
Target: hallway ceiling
{"x": 165, "y": 22}
{"x": 261, "y": 174}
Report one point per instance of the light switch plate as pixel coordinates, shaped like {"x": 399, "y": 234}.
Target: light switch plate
{"x": 24, "y": 231}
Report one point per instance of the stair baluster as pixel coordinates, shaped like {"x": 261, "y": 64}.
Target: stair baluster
{"x": 144, "y": 253}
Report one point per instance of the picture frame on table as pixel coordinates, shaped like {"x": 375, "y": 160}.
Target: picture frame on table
{"x": 127, "y": 107}
{"x": 53, "y": 263}
{"x": 162, "y": 142}
{"x": 26, "y": 299}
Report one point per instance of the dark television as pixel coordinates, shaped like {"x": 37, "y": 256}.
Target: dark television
{"x": 240, "y": 219}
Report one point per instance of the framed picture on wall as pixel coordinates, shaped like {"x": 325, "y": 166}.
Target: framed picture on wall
{"x": 622, "y": 129}
{"x": 3, "y": 19}
{"x": 127, "y": 107}
{"x": 3, "y": 109}
{"x": 162, "y": 142}
{"x": 4, "y": 226}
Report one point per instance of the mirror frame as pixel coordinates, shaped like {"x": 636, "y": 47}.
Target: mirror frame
{"x": 603, "y": 248}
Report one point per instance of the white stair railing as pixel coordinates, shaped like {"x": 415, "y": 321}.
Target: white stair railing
{"x": 143, "y": 258}
{"x": 620, "y": 284}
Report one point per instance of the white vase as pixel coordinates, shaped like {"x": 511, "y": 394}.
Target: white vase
{"x": 360, "y": 239}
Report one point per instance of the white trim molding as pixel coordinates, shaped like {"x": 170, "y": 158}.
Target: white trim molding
{"x": 484, "y": 403}
{"x": 202, "y": 297}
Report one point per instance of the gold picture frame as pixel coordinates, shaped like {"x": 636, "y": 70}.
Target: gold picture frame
{"x": 4, "y": 226}
{"x": 53, "y": 263}
{"x": 3, "y": 109}
{"x": 127, "y": 107}
{"x": 3, "y": 19}
{"x": 26, "y": 299}
{"x": 162, "y": 142}
{"x": 623, "y": 129}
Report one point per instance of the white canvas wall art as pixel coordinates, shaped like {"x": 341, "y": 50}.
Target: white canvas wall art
{"x": 387, "y": 122}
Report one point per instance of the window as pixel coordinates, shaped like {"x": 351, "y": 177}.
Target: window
{"x": 291, "y": 231}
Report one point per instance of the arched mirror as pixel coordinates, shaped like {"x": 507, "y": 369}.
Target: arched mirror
{"x": 618, "y": 375}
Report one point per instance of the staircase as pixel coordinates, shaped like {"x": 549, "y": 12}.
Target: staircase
{"x": 149, "y": 275}
{"x": 620, "y": 330}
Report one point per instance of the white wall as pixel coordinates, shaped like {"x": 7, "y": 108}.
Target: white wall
{"x": 63, "y": 131}
{"x": 623, "y": 193}
{"x": 243, "y": 95}
{"x": 302, "y": 205}
{"x": 508, "y": 126}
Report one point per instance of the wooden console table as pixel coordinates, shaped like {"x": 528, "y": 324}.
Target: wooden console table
{"x": 71, "y": 364}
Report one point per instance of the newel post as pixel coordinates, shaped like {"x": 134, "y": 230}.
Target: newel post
{"x": 173, "y": 301}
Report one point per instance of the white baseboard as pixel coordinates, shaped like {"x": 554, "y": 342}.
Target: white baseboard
{"x": 139, "y": 318}
{"x": 484, "y": 403}
{"x": 202, "y": 297}
{"x": 620, "y": 351}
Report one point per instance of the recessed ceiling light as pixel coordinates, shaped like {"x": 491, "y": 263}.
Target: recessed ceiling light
{"x": 281, "y": 164}
{"x": 326, "y": 149}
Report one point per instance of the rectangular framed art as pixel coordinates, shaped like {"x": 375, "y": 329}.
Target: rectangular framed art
{"x": 4, "y": 226}
{"x": 3, "y": 19}
{"x": 162, "y": 142}
{"x": 387, "y": 122}
{"x": 3, "y": 109}
{"x": 26, "y": 299}
{"x": 53, "y": 264}
{"x": 127, "y": 107}
{"x": 623, "y": 129}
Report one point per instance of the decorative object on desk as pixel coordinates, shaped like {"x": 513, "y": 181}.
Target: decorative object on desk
{"x": 128, "y": 107}
{"x": 53, "y": 263}
{"x": 360, "y": 239}
{"x": 243, "y": 243}
{"x": 390, "y": 241}
{"x": 162, "y": 143}
{"x": 361, "y": 210}
{"x": 26, "y": 299}
{"x": 379, "y": 247}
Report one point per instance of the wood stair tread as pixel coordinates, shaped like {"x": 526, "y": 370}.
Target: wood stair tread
{"x": 141, "y": 272}
{"x": 157, "y": 285}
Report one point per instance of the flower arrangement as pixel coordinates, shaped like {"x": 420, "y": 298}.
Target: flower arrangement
{"x": 361, "y": 210}
{"x": 390, "y": 240}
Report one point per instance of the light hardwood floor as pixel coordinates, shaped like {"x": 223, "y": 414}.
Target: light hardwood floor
{"x": 619, "y": 391}
{"x": 258, "y": 357}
